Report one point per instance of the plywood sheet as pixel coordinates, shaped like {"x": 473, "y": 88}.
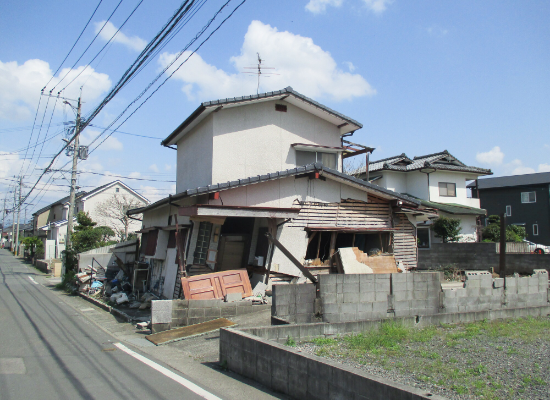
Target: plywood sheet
{"x": 354, "y": 261}
{"x": 188, "y": 331}
{"x": 217, "y": 285}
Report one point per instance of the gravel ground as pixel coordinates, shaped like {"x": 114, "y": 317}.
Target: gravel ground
{"x": 494, "y": 360}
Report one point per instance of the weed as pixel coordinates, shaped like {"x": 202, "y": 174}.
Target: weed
{"x": 324, "y": 341}
{"x": 512, "y": 350}
{"x": 290, "y": 341}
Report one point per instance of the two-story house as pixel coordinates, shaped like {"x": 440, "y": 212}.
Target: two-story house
{"x": 268, "y": 163}
{"x": 525, "y": 199}
{"x": 439, "y": 181}
{"x": 50, "y": 223}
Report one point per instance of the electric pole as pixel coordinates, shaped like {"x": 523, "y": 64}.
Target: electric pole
{"x": 18, "y": 215}
{"x": 3, "y": 219}
{"x": 76, "y": 151}
{"x": 13, "y": 219}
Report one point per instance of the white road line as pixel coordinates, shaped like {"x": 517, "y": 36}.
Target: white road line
{"x": 33, "y": 281}
{"x": 165, "y": 371}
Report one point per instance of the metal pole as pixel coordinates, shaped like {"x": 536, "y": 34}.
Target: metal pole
{"x": 73, "y": 185}
{"x": 13, "y": 219}
{"x": 502, "y": 259}
{"x": 18, "y": 215}
{"x": 3, "y": 219}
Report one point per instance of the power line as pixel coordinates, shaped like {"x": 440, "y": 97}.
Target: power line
{"x": 72, "y": 48}
{"x": 115, "y": 176}
{"x": 199, "y": 34}
{"x": 86, "y": 49}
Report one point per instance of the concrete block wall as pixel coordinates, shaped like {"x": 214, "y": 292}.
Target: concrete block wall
{"x": 304, "y": 376}
{"x": 478, "y": 256}
{"x": 294, "y": 303}
{"x": 170, "y": 314}
{"x": 481, "y": 292}
{"x": 347, "y": 298}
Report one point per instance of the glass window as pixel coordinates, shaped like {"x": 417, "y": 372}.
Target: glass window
{"x": 447, "y": 189}
{"x": 310, "y": 157}
{"x": 203, "y": 241}
{"x": 117, "y": 190}
{"x": 508, "y": 211}
{"x": 535, "y": 229}
{"x": 423, "y": 236}
{"x": 528, "y": 197}
{"x": 305, "y": 157}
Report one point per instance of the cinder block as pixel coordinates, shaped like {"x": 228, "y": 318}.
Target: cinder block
{"x": 339, "y": 288}
{"x": 366, "y": 296}
{"x": 364, "y": 307}
{"x": 379, "y": 307}
{"x": 279, "y": 377}
{"x": 366, "y": 286}
{"x": 348, "y": 317}
{"x": 303, "y": 308}
{"x": 283, "y": 299}
{"x": 348, "y": 308}
{"x": 328, "y": 298}
{"x": 196, "y": 312}
{"x": 421, "y": 285}
{"x": 352, "y": 287}
{"x": 420, "y": 294}
{"x": 328, "y": 279}
{"x": 331, "y": 308}
{"x": 351, "y": 278}
{"x": 352, "y": 297}
{"x": 327, "y": 288}
{"x": 298, "y": 382}
{"x": 280, "y": 311}
{"x": 212, "y": 312}
{"x": 381, "y": 296}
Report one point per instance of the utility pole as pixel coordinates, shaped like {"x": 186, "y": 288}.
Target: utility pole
{"x": 3, "y": 219}
{"x": 18, "y": 215}
{"x": 76, "y": 151}
{"x": 13, "y": 219}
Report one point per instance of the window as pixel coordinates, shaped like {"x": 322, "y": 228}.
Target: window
{"x": 528, "y": 197}
{"x": 310, "y": 157}
{"x": 447, "y": 189}
{"x": 203, "y": 241}
{"x": 117, "y": 190}
{"x": 423, "y": 237}
{"x": 508, "y": 211}
{"x": 280, "y": 107}
{"x": 152, "y": 239}
{"x": 535, "y": 229}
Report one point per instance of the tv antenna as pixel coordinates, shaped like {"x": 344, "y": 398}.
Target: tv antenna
{"x": 259, "y": 71}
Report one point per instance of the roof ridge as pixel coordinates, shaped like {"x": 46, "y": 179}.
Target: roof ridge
{"x": 433, "y": 154}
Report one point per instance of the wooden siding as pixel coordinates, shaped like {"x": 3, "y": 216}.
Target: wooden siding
{"x": 404, "y": 242}
{"x": 373, "y": 215}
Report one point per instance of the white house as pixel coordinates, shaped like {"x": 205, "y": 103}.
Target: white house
{"x": 439, "y": 181}
{"x": 268, "y": 163}
{"x": 51, "y": 222}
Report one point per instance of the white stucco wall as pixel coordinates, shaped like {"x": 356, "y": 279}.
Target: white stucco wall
{"x": 396, "y": 181}
{"x": 194, "y": 162}
{"x": 90, "y": 205}
{"x": 468, "y": 225}
{"x": 282, "y": 193}
{"x": 255, "y": 139}
{"x": 417, "y": 184}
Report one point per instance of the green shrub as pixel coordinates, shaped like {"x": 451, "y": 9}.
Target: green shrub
{"x": 447, "y": 229}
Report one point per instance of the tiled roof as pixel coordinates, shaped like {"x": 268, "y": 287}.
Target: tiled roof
{"x": 434, "y": 160}
{"x": 317, "y": 167}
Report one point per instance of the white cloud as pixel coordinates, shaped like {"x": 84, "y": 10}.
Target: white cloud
{"x": 320, "y": 6}
{"x": 151, "y": 193}
{"x": 10, "y": 165}
{"x": 112, "y": 143}
{"x": 519, "y": 169}
{"x": 544, "y": 167}
{"x": 154, "y": 168}
{"x": 167, "y": 167}
{"x": 134, "y": 42}
{"x": 299, "y": 62}
{"x": 492, "y": 157}
{"x": 20, "y": 86}
{"x": 350, "y": 65}
{"x": 377, "y": 6}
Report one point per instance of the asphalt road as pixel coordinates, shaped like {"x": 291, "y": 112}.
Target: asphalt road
{"x": 49, "y": 351}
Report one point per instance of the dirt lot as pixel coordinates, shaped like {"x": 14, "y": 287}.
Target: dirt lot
{"x": 483, "y": 360}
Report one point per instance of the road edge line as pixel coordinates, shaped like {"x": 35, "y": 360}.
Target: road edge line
{"x": 165, "y": 371}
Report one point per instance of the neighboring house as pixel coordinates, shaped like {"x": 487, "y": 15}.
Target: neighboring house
{"x": 525, "y": 199}
{"x": 439, "y": 181}
{"x": 268, "y": 163}
{"x": 50, "y": 223}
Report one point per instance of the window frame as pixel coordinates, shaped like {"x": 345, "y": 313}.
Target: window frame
{"x": 319, "y": 157}
{"x": 200, "y": 254}
{"x": 426, "y": 228}
{"x": 528, "y": 193}
{"x": 535, "y": 229}
{"x": 439, "y": 185}
{"x": 508, "y": 211}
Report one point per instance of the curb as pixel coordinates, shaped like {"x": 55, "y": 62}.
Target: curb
{"x": 102, "y": 305}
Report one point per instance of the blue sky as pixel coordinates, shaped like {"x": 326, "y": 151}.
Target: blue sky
{"x": 470, "y": 77}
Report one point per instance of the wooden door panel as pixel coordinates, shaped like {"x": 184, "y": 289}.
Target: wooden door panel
{"x": 217, "y": 285}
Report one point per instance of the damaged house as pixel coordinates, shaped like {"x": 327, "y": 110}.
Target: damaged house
{"x": 269, "y": 164}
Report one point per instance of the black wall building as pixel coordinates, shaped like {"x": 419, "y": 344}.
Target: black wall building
{"x": 525, "y": 199}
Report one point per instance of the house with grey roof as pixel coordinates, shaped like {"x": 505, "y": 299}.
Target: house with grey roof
{"x": 438, "y": 181}
{"x": 268, "y": 163}
{"x": 50, "y": 223}
{"x": 525, "y": 199}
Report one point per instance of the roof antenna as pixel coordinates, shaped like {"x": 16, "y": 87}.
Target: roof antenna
{"x": 259, "y": 71}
